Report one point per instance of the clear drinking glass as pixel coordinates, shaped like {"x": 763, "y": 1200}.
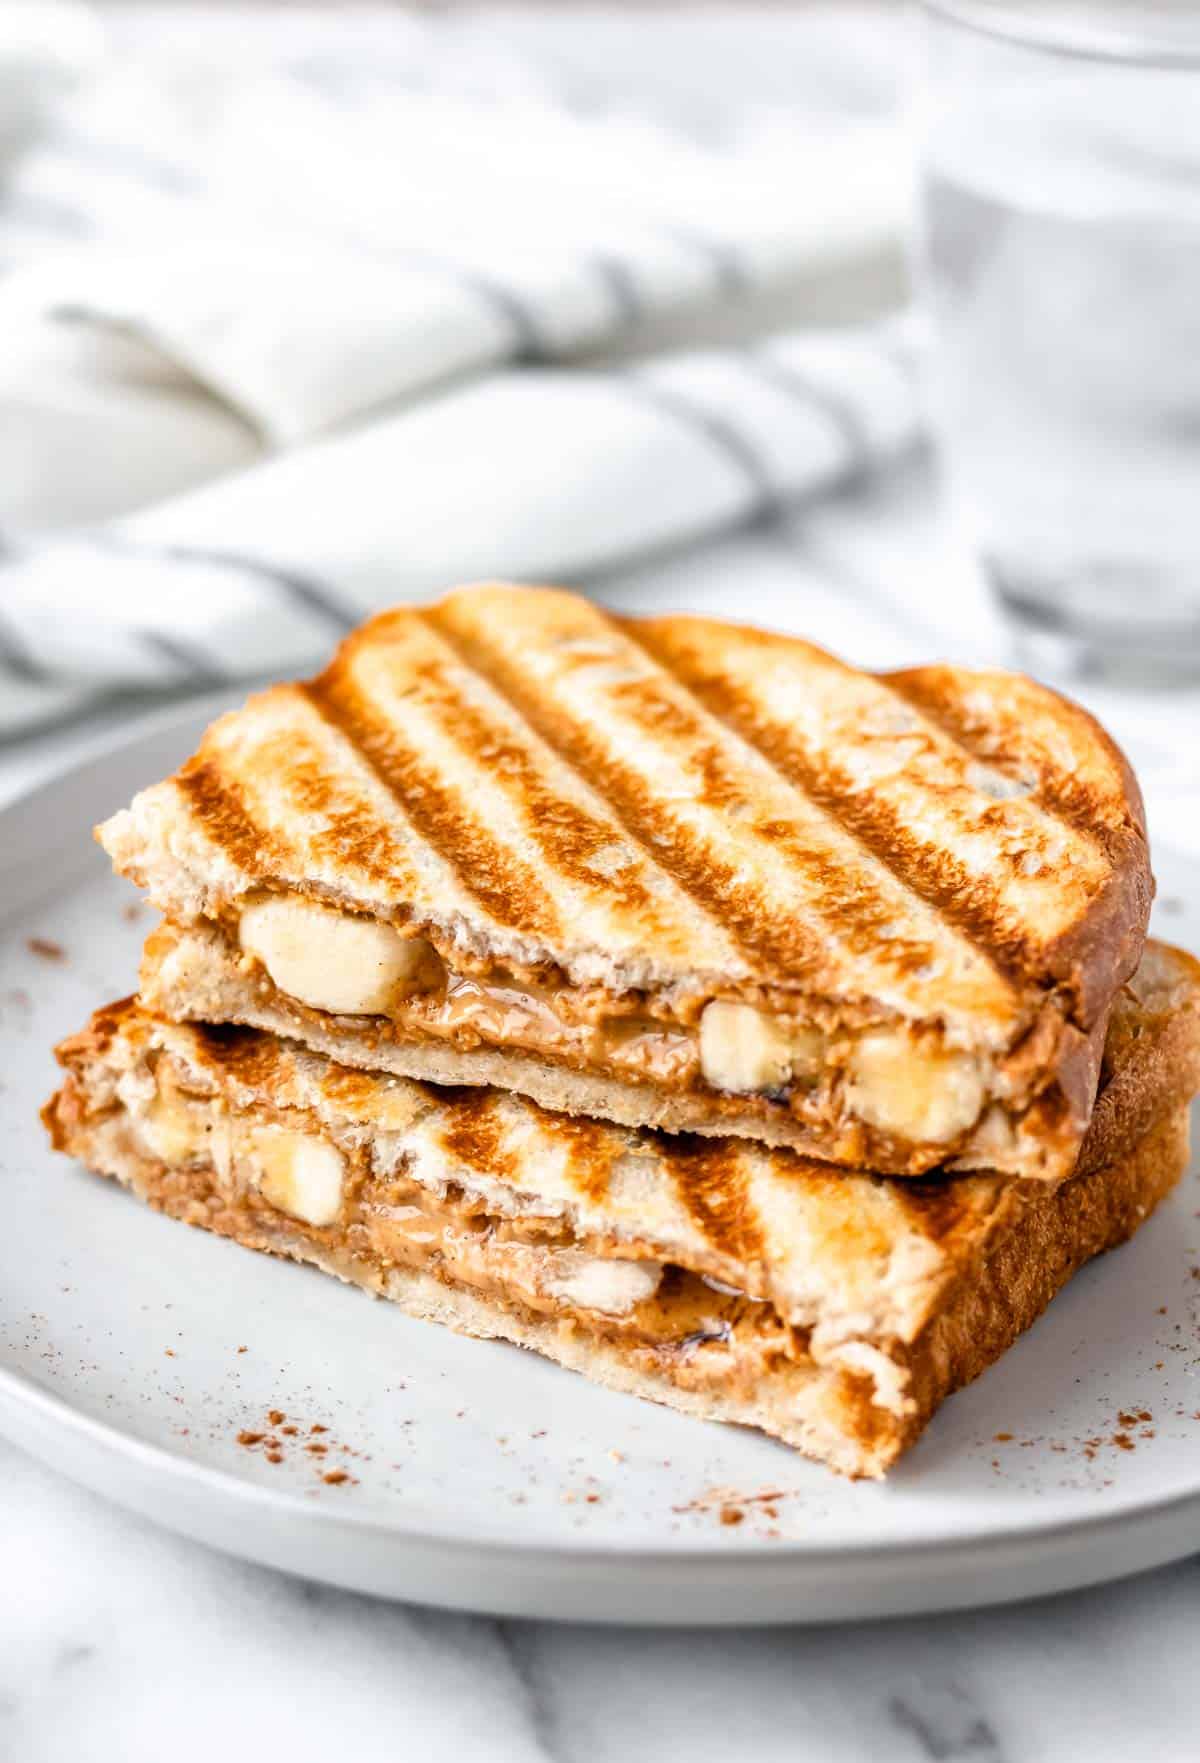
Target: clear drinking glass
{"x": 1060, "y": 258}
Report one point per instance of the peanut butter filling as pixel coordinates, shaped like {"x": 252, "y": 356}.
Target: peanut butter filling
{"x": 283, "y": 1173}
{"x": 898, "y": 1080}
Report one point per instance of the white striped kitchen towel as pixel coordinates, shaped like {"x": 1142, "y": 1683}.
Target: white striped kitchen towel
{"x": 305, "y": 315}
{"x": 540, "y": 474}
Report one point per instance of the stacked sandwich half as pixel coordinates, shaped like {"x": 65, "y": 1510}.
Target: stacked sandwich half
{"x": 765, "y": 1037}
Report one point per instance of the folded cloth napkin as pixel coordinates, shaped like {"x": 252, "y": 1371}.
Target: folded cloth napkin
{"x": 382, "y": 303}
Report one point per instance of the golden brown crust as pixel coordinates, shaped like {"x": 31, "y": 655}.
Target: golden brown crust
{"x": 1098, "y": 797}
{"x": 1038, "y": 1239}
{"x": 1100, "y": 952}
{"x": 1151, "y": 1062}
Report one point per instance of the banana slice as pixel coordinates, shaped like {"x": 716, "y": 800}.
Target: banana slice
{"x": 746, "y": 1050}
{"x": 914, "y": 1091}
{"x": 296, "y": 1172}
{"x": 171, "y": 1129}
{"x": 596, "y": 1282}
{"x": 331, "y": 960}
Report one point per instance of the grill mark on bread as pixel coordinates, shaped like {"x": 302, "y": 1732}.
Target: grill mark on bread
{"x": 1096, "y": 795}
{"x": 765, "y": 935}
{"x": 474, "y": 1135}
{"x": 715, "y": 887}
{"x": 567, "y": 834}
{"x": 863, "y": 919}
{"x": 222, "y": 1055}
{"x": 589, "y": 1149}
{"x": 349, "y": 835}
{"x": 969, "y": 902}
{"x": 246, "y": 1056}
{"x": 107, "y": 1023}
{"x": 214, "y": 800}
{"x": 359, "y": 1092}
{"x": 1003, "y": 742}
{"x": 938, "y": 1208}
{"x": 483, "y": 867}
{"x": 710, "y": 1178}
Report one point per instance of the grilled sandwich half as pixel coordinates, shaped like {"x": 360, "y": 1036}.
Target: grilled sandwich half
{"x": 666, "y": 872}
{"x": 835, "y": 1310}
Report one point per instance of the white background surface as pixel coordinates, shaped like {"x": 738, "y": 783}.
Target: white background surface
{"x": 119, "y": 1642}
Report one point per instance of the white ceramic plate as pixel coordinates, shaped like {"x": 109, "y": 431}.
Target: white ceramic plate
{"x": 133, "y": 1352}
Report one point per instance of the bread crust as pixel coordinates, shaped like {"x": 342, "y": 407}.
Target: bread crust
{"x": 1102, "y": 949}
{"x": 1033, "y": 1247}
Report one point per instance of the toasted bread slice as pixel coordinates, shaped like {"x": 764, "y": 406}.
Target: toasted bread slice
{"x": 672, "y": 871}
{"x": 833, "y": 1310}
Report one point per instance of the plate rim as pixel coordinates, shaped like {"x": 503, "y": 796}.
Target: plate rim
{"x": 736, "y": 1587}
{"x": 17, "y": 1388}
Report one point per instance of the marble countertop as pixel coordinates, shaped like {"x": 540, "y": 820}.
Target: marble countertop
{"x": 118, "y": 1641}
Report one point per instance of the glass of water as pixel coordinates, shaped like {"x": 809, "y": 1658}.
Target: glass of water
{"x": 1060, "y": 259}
